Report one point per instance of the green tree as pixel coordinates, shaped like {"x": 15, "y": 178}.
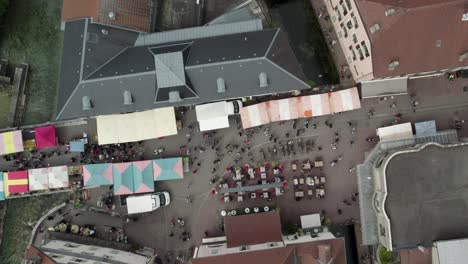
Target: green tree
{"x": 3, "y": 8}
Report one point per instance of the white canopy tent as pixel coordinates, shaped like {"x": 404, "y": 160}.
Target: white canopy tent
{"x": 404, "y": 130}
{"x": 214, "y": 115}
{"x": 113, "y": 129}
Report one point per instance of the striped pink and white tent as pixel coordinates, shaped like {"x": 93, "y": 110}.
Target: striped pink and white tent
{"x": 284, "y": 109}
{"x": 314, "y": 105}
{"x": 254, "y": 115}
{"x": 344, "y": 100}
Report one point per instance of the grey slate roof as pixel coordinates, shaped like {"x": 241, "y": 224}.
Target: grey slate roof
{"x": 188, "y": 66}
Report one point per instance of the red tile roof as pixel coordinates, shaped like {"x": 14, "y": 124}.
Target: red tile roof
{"x": 32, "y": 253}
{"x": 410, "y": 35}
{"x": 73, "y": 9}
{"x": 252, "y": 229}
{"x": 134, "y": 14}
{"x": 304, "y": 253}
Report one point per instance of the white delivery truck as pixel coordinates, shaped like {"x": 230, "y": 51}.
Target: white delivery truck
{"x": 138, "y": 204}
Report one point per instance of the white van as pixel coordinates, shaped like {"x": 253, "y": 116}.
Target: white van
{"x": 147, "y": 202}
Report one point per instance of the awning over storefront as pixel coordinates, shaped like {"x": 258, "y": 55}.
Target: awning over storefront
{"x": 97, "y": 174}
{"x": 344, "y": 100}
{"x": 2, "y": 187}
{"x": 11, "y": 142}
{"x": 15, "y": 182}
{"x": 45, "y": 137}
{"x": 113, "y": 129}
{"x": 168, "y": 169}
{"x": 395, "y": 132}
{"x": 385, "y": 87}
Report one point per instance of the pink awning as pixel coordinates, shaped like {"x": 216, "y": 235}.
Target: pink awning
{"x": 45, "y": 137}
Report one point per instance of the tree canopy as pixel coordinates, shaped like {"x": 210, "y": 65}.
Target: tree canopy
{"x": 3, "y": 7}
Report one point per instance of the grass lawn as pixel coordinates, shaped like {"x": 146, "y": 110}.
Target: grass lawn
{"x": 31, "y": 34}
{"x": 4, "y": 109}
{"x": 20, "y": 219}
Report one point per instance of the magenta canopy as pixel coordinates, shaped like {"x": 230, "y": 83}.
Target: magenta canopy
{"x": 45, "y": 137}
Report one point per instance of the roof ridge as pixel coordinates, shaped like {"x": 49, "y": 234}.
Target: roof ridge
{"x": 287, "y": 72}
{"x": 271, "y": 43}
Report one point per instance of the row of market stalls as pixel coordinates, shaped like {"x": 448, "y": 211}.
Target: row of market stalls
{"x": 127, "y": 178}
{"x": 300, "y": 107}
{"x": 19, "y": 182}
{"x": 133, "y": 177}
{"x": 13, "y": 141}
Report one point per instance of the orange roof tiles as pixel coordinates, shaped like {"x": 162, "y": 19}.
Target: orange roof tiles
{"x": 134, "y": 14}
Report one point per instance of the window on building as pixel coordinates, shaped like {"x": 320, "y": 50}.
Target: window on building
{"x": 355, "y": 69}
{"x": 348, "y": 3}
{"x": 383, "y": 232}
{"x": 115, "y": 252}
{"x": 356, "y": 25}
{"x": 340, "y": 34}
{"x": 345, "y": 11}
{"x": 93, "y": 248}
{"x": 361, "y": 54}
{"x": 79, "y": 260}
{"x": 339, "y": 15}
{"x": 349, "y": 24}
{"x": 364, "y": 46}
{"x": 354, "y": 53}
{"x": 349, "y": 59}
{"x": 354, "y": 38}
{"x": 333, "y": 18}
{"x": 56, "y": 256}
{"x": 344, "y": 30}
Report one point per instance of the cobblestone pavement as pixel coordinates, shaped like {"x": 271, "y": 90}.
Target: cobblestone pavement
{"x": 203, "y": 214}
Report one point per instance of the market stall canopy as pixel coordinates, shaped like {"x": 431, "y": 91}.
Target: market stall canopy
{"x": 143, "y": 176}
{"x": 425, "y": 128}
{"x": 11, "y": 142}
{"x": 77, "y": 146}
{"x": 15, "y": 182}
{"x": 58, "y": 177}
{"x": 284, "y": 109}
{"x": 38, "y": 179}
{"x": 254, "y": 115}
{"x": 97, "y": 174}
{"x": 385, "y": 87}
{"x": 344, "y": 100}
{"x": 395, "y": 132}
{"x": 114, "y": 129}
{"x": 133, "y": 177}
{"x": 2, "y": 187}
{"x": 123, "y": 178}
{"x": 45, "y": 137}
{"x": 168, "y": 169}
{"x": 314, "y": 105}
{"x": 212, "y": 116}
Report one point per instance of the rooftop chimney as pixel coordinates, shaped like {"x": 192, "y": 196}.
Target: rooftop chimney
{"x": 221, "y": 85}
{"x": 263, "y": 80}
{"x": 128, "y": 100}
{"x": 86, "y": 103}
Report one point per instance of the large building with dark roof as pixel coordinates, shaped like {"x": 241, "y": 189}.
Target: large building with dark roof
{"x": 413, "y": 191}
{"x": 102, "y": 64}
